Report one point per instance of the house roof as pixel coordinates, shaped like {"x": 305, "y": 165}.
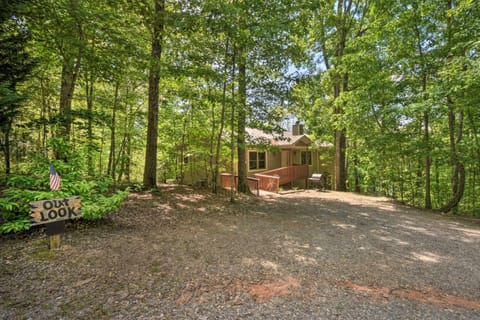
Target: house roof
{"x": 287, "y": 139}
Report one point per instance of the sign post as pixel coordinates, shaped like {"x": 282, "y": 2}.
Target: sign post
{"x": 53, "y": 213}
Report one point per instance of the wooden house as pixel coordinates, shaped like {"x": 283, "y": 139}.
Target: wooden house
{"x": 275, "y": 160}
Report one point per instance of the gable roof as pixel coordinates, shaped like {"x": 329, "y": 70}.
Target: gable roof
{"x": 287, "y": 139}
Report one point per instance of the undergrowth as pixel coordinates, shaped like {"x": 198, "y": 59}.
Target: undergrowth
{"x": 32, "y": 183}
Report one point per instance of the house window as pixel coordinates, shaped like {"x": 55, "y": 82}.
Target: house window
{"x": 256, "y": 160}
{"x": 306, "y": 157}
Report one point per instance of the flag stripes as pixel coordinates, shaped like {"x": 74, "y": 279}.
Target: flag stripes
{"x": 55, "y": 179}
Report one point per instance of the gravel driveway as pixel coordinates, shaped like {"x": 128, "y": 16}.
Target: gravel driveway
{"x": 188, "y": 254}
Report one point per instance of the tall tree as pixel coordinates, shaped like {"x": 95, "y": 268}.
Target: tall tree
{"x": 454, "y": 53}
{"x": 335, "y": 22}
{"x": 156, "y": 28}
{"x": 60, "y": 30}
{"x": 415, "y": 40}
{"x": 15, "y": 65}
{"x": 216, "y": 169}
{"x": 265, "y": 45}
{"x": 72, "y": 54}
{"x": 242, "y": 120}
{"x": 111, "y": 168}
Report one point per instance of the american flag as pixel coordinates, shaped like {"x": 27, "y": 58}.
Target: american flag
{"x": 54, "y": 179}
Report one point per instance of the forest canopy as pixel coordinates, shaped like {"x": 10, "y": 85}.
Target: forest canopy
{"x": 132, "y": 92}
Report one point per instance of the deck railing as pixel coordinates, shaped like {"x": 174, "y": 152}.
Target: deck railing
{"x": 226, "y": 182}
{"x": 270, "y": 180}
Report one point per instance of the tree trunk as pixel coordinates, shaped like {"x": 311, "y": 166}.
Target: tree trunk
{"x": 150, "y": 170}
{"x": 428, "y": 162}
{"x": 216, "y": 171}
{"x": 111, "y": 157}
{"x": 45, "y": 116}
{"x": 426, "y": 124}
{"x": 426, "y": 138}
{"x": 122, "y": 154}
{"x": 232, "y": 126}
{"x": 181, "y": 176}
{"x": 355, "y": 169}
{"x": 473, "y": 125}
{"x": 340, "y": 161}
{"x": 6, "y": 148}
{"x": 67, "y": 88}
{"x": 340, "y": 140}
{"x": 120, "y": 159}
{"x": 70, "y": 69}
{"x": 210, "y": 172}
{"x": 241, "y": 123}
{"x": 89, "y": 95}
{"x": 129, "y": 124}
{"x": 458, "y": 176}
{"x": 129, "y": 157}
{"x": 340, "y": 82}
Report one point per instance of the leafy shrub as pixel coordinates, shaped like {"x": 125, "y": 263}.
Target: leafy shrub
{"x": 100, "y": 205}
{"x": 32, "y": 184}
{"x": 20, "y": 224}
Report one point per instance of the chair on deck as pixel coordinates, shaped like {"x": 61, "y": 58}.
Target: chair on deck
{"x": 316, "y": 179}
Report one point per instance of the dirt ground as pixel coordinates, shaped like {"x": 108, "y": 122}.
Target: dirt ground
{"x": 188, "y": 254}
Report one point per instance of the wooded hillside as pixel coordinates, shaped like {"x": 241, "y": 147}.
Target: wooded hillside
{"x": 135, "y": 91}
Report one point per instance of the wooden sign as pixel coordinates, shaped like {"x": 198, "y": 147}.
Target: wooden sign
{"x": 46, "y": 211}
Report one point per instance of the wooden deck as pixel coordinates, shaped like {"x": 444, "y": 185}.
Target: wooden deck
{"x": 226, "y": 182}
{"x": 270, "y": 180}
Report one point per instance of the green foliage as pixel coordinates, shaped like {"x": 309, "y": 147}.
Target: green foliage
{"x": 33, "y": 185}
{"x": 21, "y": 181}
{"x": 7, "y": 206}
{"x": 412, "y": 69}
{"x": 400, "y": 60}
{"x": 96, "y": 207}
{"x": 17, "y": 225}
